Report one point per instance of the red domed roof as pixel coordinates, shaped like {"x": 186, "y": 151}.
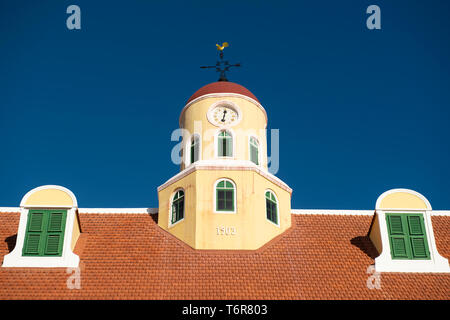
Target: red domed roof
{"x": 222, "y": 87}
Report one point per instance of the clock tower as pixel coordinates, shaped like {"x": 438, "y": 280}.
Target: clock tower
{"x": 224, "y": 197}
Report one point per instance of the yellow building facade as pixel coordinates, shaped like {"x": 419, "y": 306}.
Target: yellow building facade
{"x": 224, "y": 196}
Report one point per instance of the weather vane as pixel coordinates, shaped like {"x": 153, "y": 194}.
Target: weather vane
{"x": 222, "y": 65}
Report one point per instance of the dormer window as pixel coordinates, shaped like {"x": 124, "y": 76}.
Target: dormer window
{"x": 48, "y": 230}
{"x": 45, "y": 233}
{"x": 407, "y": 236}
{"x": 402, "y": 233}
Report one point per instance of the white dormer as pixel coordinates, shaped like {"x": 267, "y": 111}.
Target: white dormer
{"x": 48, "y": 230}
{"x": 402, "y": 232}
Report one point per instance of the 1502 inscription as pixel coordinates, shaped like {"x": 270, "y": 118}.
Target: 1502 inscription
{"x": 225, "y": 231}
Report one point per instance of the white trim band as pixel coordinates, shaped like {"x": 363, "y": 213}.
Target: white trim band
{"x": 9, "y": 209}
{"x": 219, "y": 164}
{"x": 333, "y": 212}
{"x": 118, "y": 210}
{"x": 437, "y": 213}
{"x": 444, "y": 213}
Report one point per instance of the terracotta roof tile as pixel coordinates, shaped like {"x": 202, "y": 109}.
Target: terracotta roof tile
{"x": 127, "y": 256}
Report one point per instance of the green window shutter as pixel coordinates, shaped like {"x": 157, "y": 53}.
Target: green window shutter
{"x": 45, "y": 233}
{"x": 35, "y": 226}
{"x": 399, "y": 249}
{"x": 419, "y": 248}
{"x": 418, "y": 241}
{"x": 396, "y": 225}
{"x": 397, "y": 236}
{"x": 407, "y": 236}
{"x": 53, "y": 244}
{"x": 415, "y": 225}
{"x": 36, "y": 219}
{"x": 55, "y": 222}
{"x": 32, "y": 244}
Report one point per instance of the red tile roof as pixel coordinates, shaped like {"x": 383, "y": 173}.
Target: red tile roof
{"x": 222, "y": 87}
{"x": 127, "y": 256}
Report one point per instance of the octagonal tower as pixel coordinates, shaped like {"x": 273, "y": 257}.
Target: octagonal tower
{"x": 224, "y": 196}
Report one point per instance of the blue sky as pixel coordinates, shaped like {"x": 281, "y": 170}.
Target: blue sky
{"x": 359, "y": 111}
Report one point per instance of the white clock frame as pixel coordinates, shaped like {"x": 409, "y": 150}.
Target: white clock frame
{"x": 228, "y": 104}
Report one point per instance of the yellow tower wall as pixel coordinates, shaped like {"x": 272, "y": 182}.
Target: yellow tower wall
{"x": 249, "y": 223}
{"x": 194, "y": 120}
{"x": 247, "y": 229}
{"x": 184, "y": 229}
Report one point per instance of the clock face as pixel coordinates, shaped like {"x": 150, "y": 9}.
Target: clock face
{"x": 224, "y": 115}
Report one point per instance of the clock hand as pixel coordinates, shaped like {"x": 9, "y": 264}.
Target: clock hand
{"x": 224, "y": 112}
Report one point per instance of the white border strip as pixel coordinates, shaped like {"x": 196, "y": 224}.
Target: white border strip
{"x": 10, "y": 209}
{"x": 119, "y": 210}
{"x": 333, "y": 212}
{"x": 444, "y": 213}
{"x": 220, "y": 164}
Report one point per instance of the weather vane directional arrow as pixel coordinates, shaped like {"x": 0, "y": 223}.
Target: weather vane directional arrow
{"x": 222, "y": 66}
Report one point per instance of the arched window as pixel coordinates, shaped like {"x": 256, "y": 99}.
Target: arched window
{"x": 254, "y": 150}
{"x": 195, "y": 148}
{"x": 225, "y": 196}
{"x": 271, "y": 207}
{"x": 225, "y": 144}
{"x": 178, "y": 206}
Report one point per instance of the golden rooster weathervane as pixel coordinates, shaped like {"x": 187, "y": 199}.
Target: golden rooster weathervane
{"x": 222, "y": 65}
